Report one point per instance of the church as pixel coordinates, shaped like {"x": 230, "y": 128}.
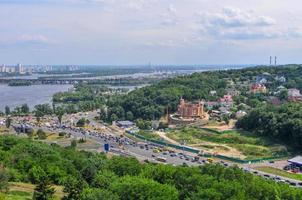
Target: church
{"x": 190, "y": 110}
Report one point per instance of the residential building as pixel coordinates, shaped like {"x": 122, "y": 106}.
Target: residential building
{"x": 294, "y": 95}
{"x": 258, "y": 88}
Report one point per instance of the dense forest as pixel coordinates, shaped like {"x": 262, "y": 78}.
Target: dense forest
{"x": 153, "y": 101}
{"x": 90, "y": 176}
{"x": 282, "y": 122}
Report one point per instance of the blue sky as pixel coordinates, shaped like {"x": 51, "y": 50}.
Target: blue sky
{"x": 123, "y": 32}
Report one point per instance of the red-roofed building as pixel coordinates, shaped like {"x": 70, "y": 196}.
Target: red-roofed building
{"x": 258, "y": 88}
{"x": 294, "y": 95}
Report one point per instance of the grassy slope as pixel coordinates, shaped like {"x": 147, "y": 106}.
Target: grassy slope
{"x": 250, "y": 146}
{"x": 279, "y": 172}
{"x": 24, "y": 191}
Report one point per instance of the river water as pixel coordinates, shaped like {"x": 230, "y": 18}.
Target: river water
{"x": 32, "y": 95}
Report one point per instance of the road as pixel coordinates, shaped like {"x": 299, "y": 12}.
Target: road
{"x": 146, "y": 152}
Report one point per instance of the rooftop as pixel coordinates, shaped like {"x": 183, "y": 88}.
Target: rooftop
{"x": 296, "y": 160}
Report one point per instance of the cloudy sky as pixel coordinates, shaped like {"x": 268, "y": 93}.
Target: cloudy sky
{"x": 158, "y": 31}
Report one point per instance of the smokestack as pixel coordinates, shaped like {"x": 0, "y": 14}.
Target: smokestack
{"x": 270, "y": 60}
{"x": 275, "y": 60}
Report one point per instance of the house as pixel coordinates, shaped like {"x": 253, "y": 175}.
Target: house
{"x": 233, "y": 92}
{"x": 297, "y": 161}
{"x": 281, "y": 79}
{"x": 294, "y": 95}
{"x": 124, "y": 124}
{"x": 211, "y": 104}
{"x": 226, "y": 100}
{"x": 274, "y": 101}
{"x": 213, "y": 92}
{"x": 240, "y": 114}
{"x": 258, "y": 88}
{"x": 261, "y": 79}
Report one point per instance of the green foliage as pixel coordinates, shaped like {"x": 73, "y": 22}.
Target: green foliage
{"x": 277, "y": 122}
{"x": 98, "y": 194}
{"x": 129, "y": 188}
{"x": 8, "y": 122}
{"x": 74, "y": 188}
{"x": 41, "y": 134}
{"x": 122, "y": 166}
{"x": 7, "y": 110}
{"x": 43, "y": 190}
{"x": 4, "y": 176}
{"x": 89, "y": 176}
{"x": 143, "y": 124}
{"x": 81, "y": 123}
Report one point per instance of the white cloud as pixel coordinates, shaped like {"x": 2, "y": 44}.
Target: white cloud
{"x": 35, "y": 39}
{"x": 237, "y": 24}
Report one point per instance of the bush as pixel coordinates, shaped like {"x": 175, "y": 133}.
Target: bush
{"x": 41, "y": 134}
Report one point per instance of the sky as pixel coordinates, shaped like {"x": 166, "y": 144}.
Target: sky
{"x": 126, "y": 32}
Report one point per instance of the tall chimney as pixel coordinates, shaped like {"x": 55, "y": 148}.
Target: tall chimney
{"x": 275, "y": 60}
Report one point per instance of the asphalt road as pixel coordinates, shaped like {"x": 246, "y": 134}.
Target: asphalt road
{"x": 145, "y": 152}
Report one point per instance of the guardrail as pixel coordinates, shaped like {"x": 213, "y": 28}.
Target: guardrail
{"x": 192, "y": 150}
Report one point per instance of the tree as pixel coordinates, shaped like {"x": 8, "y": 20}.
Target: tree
{"x": 103, "y": 113}
{"x": 3, "y": 179}
{"x": 73, "y": 144}
{"x": 7, "y": 110}
{"x": 74, "y": 187}
{"x": 113, "y": 117}
{"x": 104, "y": 178}
{"x": 283, "y": 95}
{"x": 36, "y": 174}
{"x": 129, "y": 188}
{"x": 8, "y": 122}
{"x": 25, "y": 109}
{"x": 43, "y": 190}
{"x": 30, "y": 132}
{"x": 226, "y": 119}
{"x": 41, "y": 134}
{"x": 42, "y": 110}
{"x": 59, "y": 113}
{"x": 129, "y": 116}
{"x": 98, "y": 194}
{"x": 81, "y": 122}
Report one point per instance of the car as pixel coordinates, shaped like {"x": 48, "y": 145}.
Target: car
{"x": 293, "y": 184}
{"x": 153, "y": 156}
{"x": 181, "y": 157}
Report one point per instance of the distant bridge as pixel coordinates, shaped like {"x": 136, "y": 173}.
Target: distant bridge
{"x": 72, "y": 81}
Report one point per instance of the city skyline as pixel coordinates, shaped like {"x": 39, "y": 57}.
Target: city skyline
{"x": 126, "y": 32}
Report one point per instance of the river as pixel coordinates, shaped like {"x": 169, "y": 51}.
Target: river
{"x": 32, "y": 95}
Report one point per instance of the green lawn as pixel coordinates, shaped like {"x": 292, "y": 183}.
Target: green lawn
{"x": 279, "y": 172}
{"x": 24, "y": 191}
{"x": 148, "y": 135}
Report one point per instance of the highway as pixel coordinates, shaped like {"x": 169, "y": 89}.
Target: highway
{"x": 149, "y": 152}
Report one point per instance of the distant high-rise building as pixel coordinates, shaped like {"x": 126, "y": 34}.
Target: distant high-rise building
{"x": 19, "y": 68}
